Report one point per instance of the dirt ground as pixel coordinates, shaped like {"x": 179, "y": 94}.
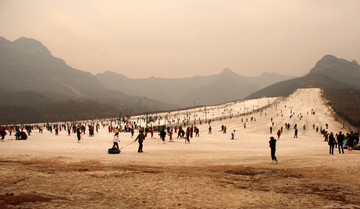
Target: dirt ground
{"x": 321, "y": 182}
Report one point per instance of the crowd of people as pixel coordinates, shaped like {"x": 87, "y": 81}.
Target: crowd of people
{"x": 341, "y": 141}
{"x": 184, "y": 131}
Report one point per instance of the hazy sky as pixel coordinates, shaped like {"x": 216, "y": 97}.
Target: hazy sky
{"x": 182, "y": 38}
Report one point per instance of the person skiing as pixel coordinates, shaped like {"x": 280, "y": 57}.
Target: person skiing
{"x": 272, "y": 145}
{"x": 141, "y": 138}
{"x": 233, "y": 135}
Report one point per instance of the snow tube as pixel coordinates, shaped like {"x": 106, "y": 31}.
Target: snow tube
{"x": 113, "y": 151}
{"x": 23, "y": 136}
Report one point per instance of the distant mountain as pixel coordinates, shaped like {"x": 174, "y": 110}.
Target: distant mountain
{"x": 329, "y": 72}
{"x": 198, "y": 90}
{"x": 27, "y": 65}
{"x": 31, "y": 76}
{"x": 339, "y": 80}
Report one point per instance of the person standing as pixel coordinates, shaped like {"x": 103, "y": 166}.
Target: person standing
{"x": 272, "y": 145}
{"x": 197, "y": 132}
{"x": 296, "y": 133}
{"x": 152, "y": 132}
{"x": 170, "y": 136}
{"x": 340, "y": 139}
{"x": 351, "y": 140}
{"x": 2, "y": 133}
{"x": 187, "y": 135}
{"x": 116, "y": 140}
{"x": 132, "y": 131}
{"x": 140, "y": 138}
{"x": 78, "y": 134}
{"x": 278, "y": 134}
{"x": 331, "y": 143}
{"x": 163, "y": 135}
{"x": 233, "y": 135}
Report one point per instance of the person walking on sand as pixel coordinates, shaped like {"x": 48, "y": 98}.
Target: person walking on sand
{"x": 141, "y": 138}
{"x": 116, "y": 140}
{"x": 272, "y": 145}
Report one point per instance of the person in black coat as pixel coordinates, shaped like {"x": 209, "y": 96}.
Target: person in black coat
{"x": 296, "y": 133}
{"x": 78, "y": 134}
{"x": 331, "y": 143}
{"x": 141, "y": 138}
{"x": 2, "y": 133}
{"x": 340, "y": 139}
{"x": 162, "y": 135}
{"x": 351, "y": 140}
{"x": 272, "y": 145}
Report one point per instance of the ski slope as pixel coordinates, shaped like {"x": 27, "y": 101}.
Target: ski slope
{"x": 250, "y": 144}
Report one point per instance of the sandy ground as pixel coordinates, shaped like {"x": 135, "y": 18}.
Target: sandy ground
{"x": 48, "y": 171}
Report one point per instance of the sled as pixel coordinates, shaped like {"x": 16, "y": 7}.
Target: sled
{"x": 113, "y": 151}
{"x": 356, "y": 148}
{"x": 21, "y": 136}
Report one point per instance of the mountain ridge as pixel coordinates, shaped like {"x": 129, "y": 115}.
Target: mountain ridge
{"x": 32, "y": 77}
{"x": 337, "y": 77}
{"x": 183, "y": 91}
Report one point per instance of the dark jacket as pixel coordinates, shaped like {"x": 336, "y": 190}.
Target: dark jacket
{"x": 272, "y": 143}
{"x": 332, "y": 139}
{"x": 140, "y": 137}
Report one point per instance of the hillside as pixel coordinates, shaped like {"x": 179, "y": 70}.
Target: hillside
{"x": 339, "y": 80}
{"x": 197, "y": 90}
{"x": 32, "y": 78}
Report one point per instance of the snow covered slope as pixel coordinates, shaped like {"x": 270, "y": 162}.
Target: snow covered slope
{"x": 251, "y": 144}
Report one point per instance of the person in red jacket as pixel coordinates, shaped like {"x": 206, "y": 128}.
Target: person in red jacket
{"x": 170, "y": 136}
